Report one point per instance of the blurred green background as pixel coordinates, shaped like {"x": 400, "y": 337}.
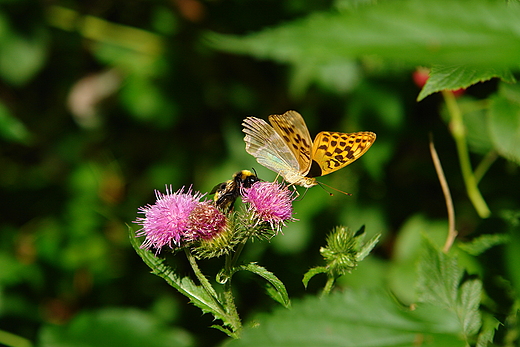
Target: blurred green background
{"x": 102, "y": 102}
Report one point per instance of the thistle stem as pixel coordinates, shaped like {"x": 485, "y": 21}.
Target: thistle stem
{"x": 229, "y": 270}
{"x": 232, "y": 319}
{"x": 459, "y": 135}
{"x": 200, "y": 276}
{"x": 328, "y": 285}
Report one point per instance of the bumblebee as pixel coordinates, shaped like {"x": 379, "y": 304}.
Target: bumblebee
{"x": 227, "y": 192}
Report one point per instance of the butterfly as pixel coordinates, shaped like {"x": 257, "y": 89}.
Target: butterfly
{"x": 285, "y": 147}
{"x": 227, "y": 192}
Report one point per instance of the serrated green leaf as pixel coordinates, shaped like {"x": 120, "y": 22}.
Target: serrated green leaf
{"x": 407, "y": 251}
{"x": 460, "y": 76}
{"x": 280, "y": 294}
{"x": 353, "y": 318}
{"x": 469, "y": 299}
{"x": 482, "y": 243}
{"x": 422, "y": 32}
{"x": 439, "y": 277}
{"x": 439, "y": 283}
{"x": 367, "y": 247}
{"x": 487, "y": 332}
{"x": 313, "y": 272}
{"x": 197, "y": 294}
{"x": 504, "y": 122}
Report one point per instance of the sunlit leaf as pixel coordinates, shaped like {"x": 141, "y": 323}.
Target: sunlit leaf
{"x": 353, "y": 318}
{"x": 440, "y": 283}
{"x": 460, "y": 76}
{"x": 197, "y": 295}
{"x": 415, "y": 32}
{"x": 279, "y": 293}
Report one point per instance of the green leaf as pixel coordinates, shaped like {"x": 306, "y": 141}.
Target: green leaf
{"x": 113, "y": 327}
{"x": 313, "y": 272}
{"x": 504, "y": 122}
{"x": 439, "y": 277}
{"x": 337, "y": 76}
{"x": 512, "y": 249}
{"x": 439, "y": 284}
{"x": 367, "y": 247}
{"x": 475, "y": 119}
{"x": 482, "y": 243}
{"x": 353, "y": 318}
{"x": 11, "y": 128}
{"x": 485, "y": 337}
{"x": 21, "y": 55}
{"x": 407, "y": 251}
{"x": 197, "y": 295}
{"x": 280, "y": 292}
{"x": 415, "y": 32}
{"x": 460, "y": 76}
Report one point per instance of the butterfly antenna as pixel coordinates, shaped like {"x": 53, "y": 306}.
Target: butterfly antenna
{"x": 323, "y": 185}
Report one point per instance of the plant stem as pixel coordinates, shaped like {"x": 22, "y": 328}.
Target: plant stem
{"x": 230, "y": 306}
{"x": 328, "y": 285}
{"x": 485, "y": 164}
{"x": 459, "y": 135}
{"x": 452, "y": 233}
{"x": 200, "y": 276}
{"x": 233, "y": 320}
{"x": 229, "y": 270}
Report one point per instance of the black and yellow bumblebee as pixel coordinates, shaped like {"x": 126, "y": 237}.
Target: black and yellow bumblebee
{"x": 227, "y": 192}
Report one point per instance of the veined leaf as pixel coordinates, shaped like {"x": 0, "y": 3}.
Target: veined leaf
{"x": 280, "y": 293}
{"x": 426, "y": 32}
{"x": 197, "y": 295}
{"x": 460, "y": 76}
{"x": 484, "y": 242}
{"x": 440, "y": 283}
{"x": 353, "y": 318}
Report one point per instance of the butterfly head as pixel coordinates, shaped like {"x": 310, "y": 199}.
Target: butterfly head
{"x": 296, "y": 179}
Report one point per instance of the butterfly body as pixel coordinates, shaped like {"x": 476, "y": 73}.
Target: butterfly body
{"x": 286, "y": 147}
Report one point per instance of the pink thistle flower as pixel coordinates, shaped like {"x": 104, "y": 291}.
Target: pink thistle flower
{"x": 165, "y": 223}
{"x": 271, "y": 202}
{"x": 205, "y": 222}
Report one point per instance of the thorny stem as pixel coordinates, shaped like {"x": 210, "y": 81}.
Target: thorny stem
{"x": 459, "y": 134}
{"x": 200, "y": 276}
{"x": 229, "y": 270}
{"x": 452, "y": 233}
{"x": 229, "y": 305}
{"x": 229, "y": 298}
